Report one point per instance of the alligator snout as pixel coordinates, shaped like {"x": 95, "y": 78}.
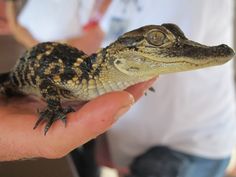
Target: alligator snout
{"x": 224, "y": 51}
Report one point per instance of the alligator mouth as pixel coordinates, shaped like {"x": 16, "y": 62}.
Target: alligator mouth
{"x": 184, "y": 62}
{"x": 196, "y": 63}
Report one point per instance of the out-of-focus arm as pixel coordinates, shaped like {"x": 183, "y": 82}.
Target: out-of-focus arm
{"x": 20, "y": 33}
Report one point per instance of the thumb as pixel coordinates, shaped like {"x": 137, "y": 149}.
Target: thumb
{"x": 91, "y": 120}
{"x": 100, "y": 113}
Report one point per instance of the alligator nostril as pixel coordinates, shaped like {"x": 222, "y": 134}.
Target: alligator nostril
{"x": 225, "y": 50}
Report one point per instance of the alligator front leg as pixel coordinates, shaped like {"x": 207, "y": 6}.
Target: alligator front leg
{"x": 54, "y": 110}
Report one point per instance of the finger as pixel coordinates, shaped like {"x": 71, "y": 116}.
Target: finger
{"x": 138, "y": 90}
{"x": 91, "y": 120}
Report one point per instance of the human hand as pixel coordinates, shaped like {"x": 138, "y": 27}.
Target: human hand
{"x": 18, "y": 140}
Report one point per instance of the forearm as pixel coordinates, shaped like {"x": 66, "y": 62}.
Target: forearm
{"x": 24, "y": 37}
{"x": 20, "y": 33}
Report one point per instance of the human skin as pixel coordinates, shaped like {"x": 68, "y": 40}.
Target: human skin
{"x": 18, "y": 140}
{"x": 21, "y": 34}
{"x": 89, "y": 41}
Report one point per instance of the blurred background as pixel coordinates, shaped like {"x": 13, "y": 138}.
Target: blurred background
{"x": 86, "y": 37}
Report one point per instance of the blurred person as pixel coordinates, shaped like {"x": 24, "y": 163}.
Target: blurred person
{"x": 191, "y": 113}
{"x": 73, "y": 22}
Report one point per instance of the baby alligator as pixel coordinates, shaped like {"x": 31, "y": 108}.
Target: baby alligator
{"x": 58, "y": 72}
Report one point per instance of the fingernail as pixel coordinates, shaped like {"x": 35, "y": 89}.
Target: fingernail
{"x": 126, "y": 107}
{"x": 122, "y": 111}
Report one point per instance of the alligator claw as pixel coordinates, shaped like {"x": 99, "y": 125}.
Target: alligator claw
{"x": 151, "y": 89}
{"x": 51, "y": 115}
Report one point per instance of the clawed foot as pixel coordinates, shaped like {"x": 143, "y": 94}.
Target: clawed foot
{"x": 51, "y": 115}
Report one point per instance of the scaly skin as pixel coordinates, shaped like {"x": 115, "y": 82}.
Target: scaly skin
{"x": 58, "y": 72}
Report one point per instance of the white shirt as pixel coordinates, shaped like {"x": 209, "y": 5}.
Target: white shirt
{"x": 193, "y": 112}
{"x": 50, "y": 20}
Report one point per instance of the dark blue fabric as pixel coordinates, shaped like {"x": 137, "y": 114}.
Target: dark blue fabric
{"x": 160, "y": 161}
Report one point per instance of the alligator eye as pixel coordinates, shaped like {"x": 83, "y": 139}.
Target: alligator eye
{"x": 156, "y": 37}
